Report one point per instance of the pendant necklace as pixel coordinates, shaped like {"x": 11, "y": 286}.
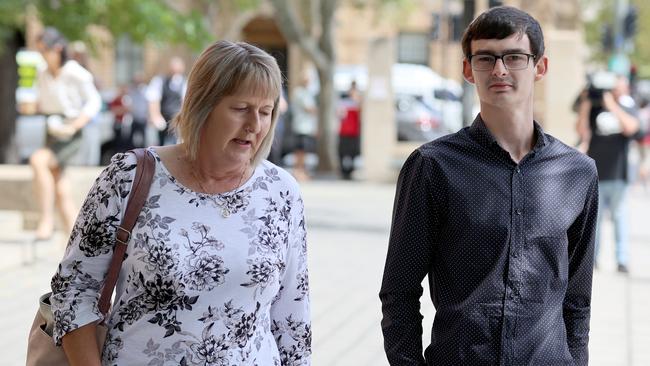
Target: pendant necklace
{"x": 225, "y": 210}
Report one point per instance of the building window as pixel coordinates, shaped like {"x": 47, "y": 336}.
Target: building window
{"x": 128, "y": 60}
{"x": 413, "y": 48}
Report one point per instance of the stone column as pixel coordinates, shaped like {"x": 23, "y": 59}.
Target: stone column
{"x": 378, "y": 129}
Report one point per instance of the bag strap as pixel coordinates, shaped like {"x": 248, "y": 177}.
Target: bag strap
{"x": 139, "y": 191}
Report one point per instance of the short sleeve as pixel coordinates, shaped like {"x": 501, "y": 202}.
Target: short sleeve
{"x": 79, "y": 278}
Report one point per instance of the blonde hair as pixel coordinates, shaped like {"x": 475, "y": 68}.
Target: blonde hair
{"x": 226, "y": 68}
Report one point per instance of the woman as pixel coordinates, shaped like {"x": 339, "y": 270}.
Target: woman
{"x": 216, "y": 268}
{"x": 69, "y": 100}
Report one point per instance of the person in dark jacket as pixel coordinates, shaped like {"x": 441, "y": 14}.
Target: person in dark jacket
{"x": 501, "y": 218}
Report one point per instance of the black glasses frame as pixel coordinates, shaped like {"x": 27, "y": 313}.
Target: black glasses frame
{"x": 500, "y": 57}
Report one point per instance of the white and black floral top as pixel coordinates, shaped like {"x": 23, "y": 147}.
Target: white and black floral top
{"x": 208, "y": 279}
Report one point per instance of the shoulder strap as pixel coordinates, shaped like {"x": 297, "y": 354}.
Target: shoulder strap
{"x": 139, "y": 191}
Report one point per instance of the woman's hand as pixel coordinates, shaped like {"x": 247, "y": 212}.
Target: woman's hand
{"x": 63, "y": 132}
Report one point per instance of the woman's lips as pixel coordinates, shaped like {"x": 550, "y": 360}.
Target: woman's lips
{"x": 243, "y": 142}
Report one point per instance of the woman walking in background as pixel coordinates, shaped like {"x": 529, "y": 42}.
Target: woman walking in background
{"x": 68, "y": 98}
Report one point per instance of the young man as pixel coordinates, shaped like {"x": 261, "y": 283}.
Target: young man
{"x": 500, "y": 216}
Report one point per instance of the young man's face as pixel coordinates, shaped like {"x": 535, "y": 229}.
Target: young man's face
{"x": 499, "y": 86}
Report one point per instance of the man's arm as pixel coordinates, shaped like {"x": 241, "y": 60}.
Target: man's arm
{"x": 154, "y": 95}
{"x": 582, "y": 127}
{"x": 409, "y": 258}
{"x": 629, "y": 123}
{"x": 577, "y": 301}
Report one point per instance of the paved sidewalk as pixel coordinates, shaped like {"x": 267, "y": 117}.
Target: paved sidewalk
{"x": 348, "y": 225}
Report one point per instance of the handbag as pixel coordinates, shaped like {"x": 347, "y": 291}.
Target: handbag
{"x": 41, "y": 350}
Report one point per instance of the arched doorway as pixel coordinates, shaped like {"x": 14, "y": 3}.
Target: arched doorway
{"x": 264, "y": 33}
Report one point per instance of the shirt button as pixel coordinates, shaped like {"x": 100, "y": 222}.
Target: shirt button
{"x": 518, "y": 211}
{"x": 518, "y": 170}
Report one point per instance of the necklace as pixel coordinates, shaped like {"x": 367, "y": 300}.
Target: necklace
{"x": 225, "y": 210}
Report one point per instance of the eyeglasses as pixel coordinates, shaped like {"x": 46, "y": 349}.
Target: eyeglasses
{"x": 512, "y": 61}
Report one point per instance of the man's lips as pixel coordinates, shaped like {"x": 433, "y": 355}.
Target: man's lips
{"x": 500, "y": 85}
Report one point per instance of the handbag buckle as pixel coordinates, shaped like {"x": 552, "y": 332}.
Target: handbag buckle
{"x": 128, "y": 236}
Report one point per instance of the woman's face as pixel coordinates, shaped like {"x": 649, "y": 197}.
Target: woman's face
{"x": 52, "y": 55}
{"x": 236, "y": 127}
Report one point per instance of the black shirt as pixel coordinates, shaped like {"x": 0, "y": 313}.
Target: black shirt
{"x": 609, "y": 150}
{"x": 508, "y": 250}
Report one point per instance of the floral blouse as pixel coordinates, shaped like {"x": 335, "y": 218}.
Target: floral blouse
{"x": 208, "y": 279}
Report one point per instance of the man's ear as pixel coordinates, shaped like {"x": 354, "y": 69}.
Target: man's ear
{"x": 467, "y": 71}
{"x": 541, "y": 67}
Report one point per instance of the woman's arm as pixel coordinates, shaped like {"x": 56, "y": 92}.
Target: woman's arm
{"x": 290, "y": 311}
{"x": 77, "y": 283}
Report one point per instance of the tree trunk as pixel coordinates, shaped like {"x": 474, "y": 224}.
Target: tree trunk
{"x": 326, "y": 140}
{"x": 8, "y": 84}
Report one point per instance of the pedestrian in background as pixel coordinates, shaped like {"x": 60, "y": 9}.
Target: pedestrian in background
{"x": 276, "y": 154}
{"x": 501, "y": 216}
{"x": 349, "y": 130}
{"x": 90, "y": 153}
{"x": 304, "y": 124}
{"x": 69, "y": 100}
{"x": 216, "y": 270}
{"x": 607, "y": 125}
{"x": 165, "y": 95}
{"x": 137, "y": 104}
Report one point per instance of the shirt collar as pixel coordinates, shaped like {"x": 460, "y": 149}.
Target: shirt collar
{"x": 480, "y": 133}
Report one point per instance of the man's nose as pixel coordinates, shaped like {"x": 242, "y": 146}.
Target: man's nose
{"x": 499, "y": 68}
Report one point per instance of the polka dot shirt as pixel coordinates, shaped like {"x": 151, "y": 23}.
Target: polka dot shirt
{"x": 508, "y": 250}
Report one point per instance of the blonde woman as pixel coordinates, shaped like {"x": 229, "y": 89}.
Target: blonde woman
{"x": 216, "y": 268}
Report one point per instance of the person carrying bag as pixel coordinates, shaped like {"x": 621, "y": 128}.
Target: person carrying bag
{"x": 41, "y": 349}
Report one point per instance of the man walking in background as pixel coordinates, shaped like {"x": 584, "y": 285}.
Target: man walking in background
{"x": 606, "y": 126}
{"x": 165, "y": 95}
{"x": 500, "y": 216}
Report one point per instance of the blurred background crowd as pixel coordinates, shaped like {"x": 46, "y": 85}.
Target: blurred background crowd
{"x": 138, "y": 55}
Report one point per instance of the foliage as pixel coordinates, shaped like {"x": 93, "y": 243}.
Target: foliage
{"x": 605, "y": 15}
{"x": 151, "y": 20}
{"x": 142, "y": 20}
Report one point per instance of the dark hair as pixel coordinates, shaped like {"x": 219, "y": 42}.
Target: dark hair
{"x": 501, "y": 22}
{"x": 51, "y": 37}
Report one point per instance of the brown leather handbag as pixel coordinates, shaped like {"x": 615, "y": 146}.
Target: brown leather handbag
{"x": 41, "y": 350}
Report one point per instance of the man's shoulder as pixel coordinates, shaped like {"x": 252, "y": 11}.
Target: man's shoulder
{"x": 569, "y": 153}
{"x": 444, "y": 144}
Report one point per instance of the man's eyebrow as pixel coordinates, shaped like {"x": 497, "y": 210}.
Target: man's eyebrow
{"x": 509, "y": 50}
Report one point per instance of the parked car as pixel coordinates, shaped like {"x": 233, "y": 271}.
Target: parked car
{"x": 426, "y": 104}
{"x": 417, "y": 121}
{"x": 441, "y": 94}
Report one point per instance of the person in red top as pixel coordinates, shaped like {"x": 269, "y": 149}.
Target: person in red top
{"x": 349, "y": 130}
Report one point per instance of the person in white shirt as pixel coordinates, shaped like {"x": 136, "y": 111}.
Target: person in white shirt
{"x": 165, "y": 95}
{"x": 68, "y": 98}
{"x": 304, "y": 125}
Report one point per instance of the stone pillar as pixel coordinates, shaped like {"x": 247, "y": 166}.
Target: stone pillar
{"x": 562, "y": 83}
{"x": 379, "y": 132}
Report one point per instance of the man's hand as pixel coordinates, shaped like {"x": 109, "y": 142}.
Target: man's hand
{"x": 159, "y": 122}
{"x": 609, "y": 102}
